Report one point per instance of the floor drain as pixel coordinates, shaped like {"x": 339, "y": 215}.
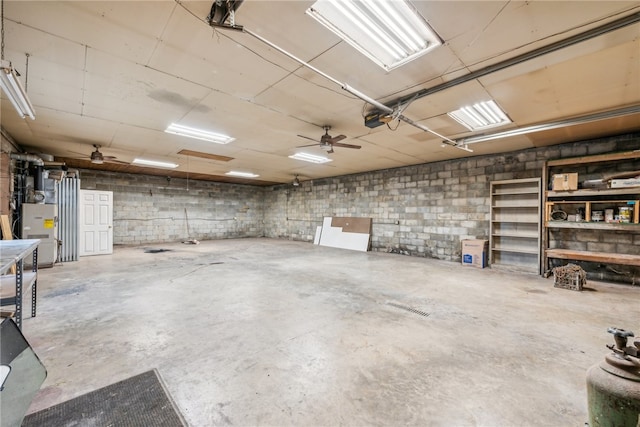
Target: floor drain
{"x": 410, "y": 309}
{"x": 155, "y": 251}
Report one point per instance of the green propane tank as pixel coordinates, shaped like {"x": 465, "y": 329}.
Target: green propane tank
{"x": 613, "y": 385}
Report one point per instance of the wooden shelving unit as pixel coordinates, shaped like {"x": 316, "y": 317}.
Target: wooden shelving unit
{"x": 590, "y": 200}
{"x": 514, "y": 242}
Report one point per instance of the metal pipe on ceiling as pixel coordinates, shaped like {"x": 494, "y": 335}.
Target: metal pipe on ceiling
{"x": 553, "y": 47}
{"x": 344, "y": 86}
{"x": 611, "y": 114}
{"x": 405, "y": 100}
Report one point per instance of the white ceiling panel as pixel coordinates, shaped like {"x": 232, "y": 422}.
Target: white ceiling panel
{"x": 116, "y": 74}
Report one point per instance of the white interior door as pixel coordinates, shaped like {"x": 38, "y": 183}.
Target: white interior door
{"x": 96, "y": 222}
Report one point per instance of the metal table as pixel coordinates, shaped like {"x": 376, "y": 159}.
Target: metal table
{"x": 13, "y": 252}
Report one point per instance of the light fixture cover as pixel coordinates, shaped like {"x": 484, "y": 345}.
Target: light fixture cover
{"x": 483, "y": 115}
{"x": 242, "y": 174}
{"x": 154, "y": 163}
{"x": 12, "y": 87}
{"x": 201, "y": 134}
{"x": 311, "y": 158}
{"x": 390, "y": 33}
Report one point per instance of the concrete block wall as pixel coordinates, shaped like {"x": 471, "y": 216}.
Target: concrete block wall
{"x": 152, "y": 209}
{"x": 423, "y": 210}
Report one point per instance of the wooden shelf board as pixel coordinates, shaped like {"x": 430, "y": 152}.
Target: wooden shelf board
{"x": 522, "y": 204}
{"x": 517, "y": 235}
{"x": 518, "y": 268}
{"x": 603, "y": 257}
{"x": 627, "y": 155}
{"x": 622, "y": 226}
{"x": 510, "y": 221}
{"x": 517, "y": 250}
{"x": 515, "y": 191}
{"x": 594, "y": 192}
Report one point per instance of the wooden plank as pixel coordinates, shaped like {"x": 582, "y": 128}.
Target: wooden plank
{"x": 594, "y": 192}
{"x": 205, "y": 155}
{"x": 352, "y": 224}
{"x": 603, "y": 257}
{"x": 6, "y": 227}
{"x": 620, "y": 226}
{"x": 627, "y": 155}
{"x": 335, "y": 237}
{"x": 7, "y": 234}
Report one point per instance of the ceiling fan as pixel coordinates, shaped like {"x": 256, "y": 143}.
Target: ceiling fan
{"x": 97, "y": 158}
{"x": 327, "y": 142}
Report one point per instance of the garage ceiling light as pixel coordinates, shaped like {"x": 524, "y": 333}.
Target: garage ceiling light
{"x": 482, "y": 115}
{"x": 312, "y": 158}
{"x": 242, "y": 174}
{"x": 15, "y": 92}
{"x": 204, "y": 135}
{"x": 390, "y": 33}
{"x": 154, "y": 163}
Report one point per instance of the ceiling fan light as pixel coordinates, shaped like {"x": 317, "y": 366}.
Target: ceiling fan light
{"x": 296, "y": 182}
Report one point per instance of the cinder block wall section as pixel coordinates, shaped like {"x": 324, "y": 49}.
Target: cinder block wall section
{"x": 152, "y": 209}
{"x": 423, "y": 210}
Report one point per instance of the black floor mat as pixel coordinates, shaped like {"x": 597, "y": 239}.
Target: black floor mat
{"x": 137, "y": 401}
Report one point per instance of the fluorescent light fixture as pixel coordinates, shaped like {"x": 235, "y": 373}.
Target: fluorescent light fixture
{"x": 242, "y": 174}
{"x": 589, "y": 118}
{"x": 204, "y": 135}
{"x": 390, "y": 33}
{"x": 154, "y": 163}
{"x": 312, "y": 158}
{"x": 15, "y": 92}
{"x": 483, "y": 115}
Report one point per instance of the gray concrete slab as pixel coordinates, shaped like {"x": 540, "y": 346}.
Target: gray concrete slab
{"x": 272, "y": 332}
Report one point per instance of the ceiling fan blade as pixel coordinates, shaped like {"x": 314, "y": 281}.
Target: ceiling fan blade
{"x": 338, "y": 144}
{"x": 115, "y": 161}
{"x": 310, "y": 145}
{"x": 311, "y": 139}
{"x": 336, "y": 139}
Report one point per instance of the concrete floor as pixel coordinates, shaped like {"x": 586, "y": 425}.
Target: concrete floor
{"x": 267, "y": 332}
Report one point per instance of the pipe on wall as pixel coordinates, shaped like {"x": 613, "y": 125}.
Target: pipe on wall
{"x": 32, "y": 158}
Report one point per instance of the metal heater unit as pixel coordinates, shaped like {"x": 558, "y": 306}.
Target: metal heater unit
{"x": 40, "y": 221}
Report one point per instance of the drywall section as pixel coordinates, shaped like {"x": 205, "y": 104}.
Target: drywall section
{"x": 423, "y": 210}
{"x": 152, "y": 209}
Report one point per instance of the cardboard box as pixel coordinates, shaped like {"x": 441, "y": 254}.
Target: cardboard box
{"x": 565, "y": 182}
{"x": 474, "y": 253}
{"x": 625, "y": 183}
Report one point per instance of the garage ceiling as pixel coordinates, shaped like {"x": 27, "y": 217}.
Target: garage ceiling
{"x": 117, "y": 73}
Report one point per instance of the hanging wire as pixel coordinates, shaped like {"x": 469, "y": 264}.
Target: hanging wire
{"x": 2, "y": 31}
{"x": 26, "y": 74}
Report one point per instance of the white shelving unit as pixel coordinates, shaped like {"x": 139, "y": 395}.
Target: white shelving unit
{"x": 514, "y": 242}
